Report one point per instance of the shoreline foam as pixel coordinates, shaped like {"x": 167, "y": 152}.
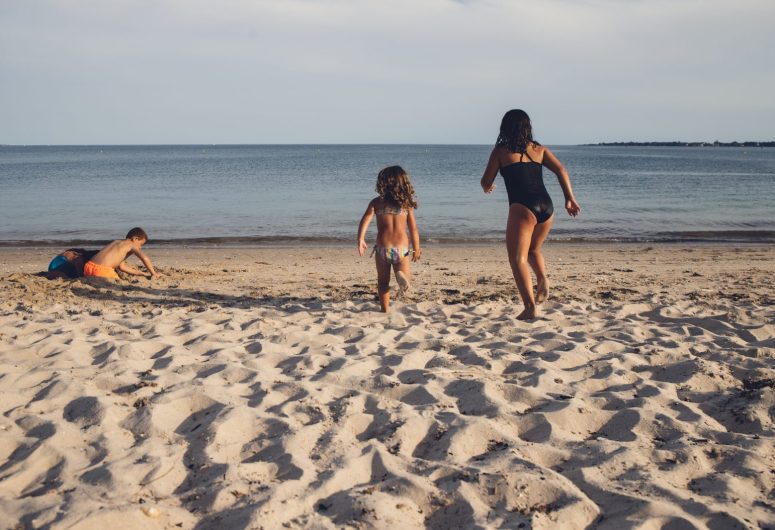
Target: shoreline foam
{"x": 755, "y": 237}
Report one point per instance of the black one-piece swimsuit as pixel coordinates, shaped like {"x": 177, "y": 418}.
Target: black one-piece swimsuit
{"x": 525, "y": 186}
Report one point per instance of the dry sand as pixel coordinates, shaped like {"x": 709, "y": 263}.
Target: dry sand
{"x": 259, "y": 388}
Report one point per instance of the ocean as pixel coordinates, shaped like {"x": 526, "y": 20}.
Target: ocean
{"x": 278, "y": 194}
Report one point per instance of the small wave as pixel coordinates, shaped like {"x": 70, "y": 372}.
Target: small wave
{"x": 708, "y": 236}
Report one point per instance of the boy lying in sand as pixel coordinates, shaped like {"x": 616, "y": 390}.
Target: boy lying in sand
{"x": 110, "y": 258}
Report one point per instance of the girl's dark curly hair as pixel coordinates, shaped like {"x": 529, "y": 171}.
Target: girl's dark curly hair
{"x": 516, "y": 132}
{"x": 393, "y": 185}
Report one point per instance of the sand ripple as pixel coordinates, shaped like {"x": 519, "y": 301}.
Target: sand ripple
{"x": 327, "y": 415}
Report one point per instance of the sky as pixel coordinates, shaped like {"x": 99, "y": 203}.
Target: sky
{"x": 384, "y": 71}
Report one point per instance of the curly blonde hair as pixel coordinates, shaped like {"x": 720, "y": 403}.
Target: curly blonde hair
{"x": 393, "y": 185}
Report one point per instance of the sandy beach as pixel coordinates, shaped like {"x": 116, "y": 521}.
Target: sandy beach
{"x": 260, "y": 388}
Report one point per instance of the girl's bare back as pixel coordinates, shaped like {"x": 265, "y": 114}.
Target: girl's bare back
{"x": 391, "y": 224}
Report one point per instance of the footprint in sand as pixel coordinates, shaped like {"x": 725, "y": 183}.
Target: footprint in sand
{"x": 535, "y": 428}
{"x": 84, "y": 411}
{"x": 619, "y": 427}
{"x": 34, "y": 428}
{"x": 471, "y": 399}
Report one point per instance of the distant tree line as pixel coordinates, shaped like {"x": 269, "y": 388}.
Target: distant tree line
{"x": 685, "y": 144}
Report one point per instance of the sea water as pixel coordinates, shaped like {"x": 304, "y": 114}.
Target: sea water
{"x": 316, "y": 193}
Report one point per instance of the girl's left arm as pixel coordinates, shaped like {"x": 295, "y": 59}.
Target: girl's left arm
{"x": 365, "y": 220}
{"x": 414, "y": 234}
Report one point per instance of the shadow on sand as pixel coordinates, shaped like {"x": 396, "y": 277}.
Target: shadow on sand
{"x": 174, "y": 297}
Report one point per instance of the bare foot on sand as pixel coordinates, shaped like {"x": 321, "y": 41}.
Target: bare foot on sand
{"x": 529, "y": 313}
{"x": 542, "y": 291}
{"x": 403, "y": 284}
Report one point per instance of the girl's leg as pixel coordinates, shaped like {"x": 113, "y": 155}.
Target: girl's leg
{"x": 519, "y": 233}
{"x": 402, "y": 269}
{"x": 536, "y": 258}
{"x": 383, "y": 283}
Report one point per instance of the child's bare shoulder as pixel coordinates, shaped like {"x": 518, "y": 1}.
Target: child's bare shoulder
{"x": 112, "y": 245}
{"x": 500, "y": 151}
{"x": 121, "y": 244}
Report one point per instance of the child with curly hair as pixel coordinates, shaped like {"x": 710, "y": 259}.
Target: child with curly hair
{"x": 394, "y": 209}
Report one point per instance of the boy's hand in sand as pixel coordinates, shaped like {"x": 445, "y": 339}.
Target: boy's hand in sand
{"x": 573, "y": 207}
{"x": 362, "y": 246}
{"x": 416, "y": 255}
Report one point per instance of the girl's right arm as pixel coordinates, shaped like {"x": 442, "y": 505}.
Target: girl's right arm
{"x": 490, "y": 172}
{"x": 365, "y": 220}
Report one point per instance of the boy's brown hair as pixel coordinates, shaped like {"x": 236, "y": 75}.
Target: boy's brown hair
{"x": 137, "y": 232}
{"x": 393, "y": 185}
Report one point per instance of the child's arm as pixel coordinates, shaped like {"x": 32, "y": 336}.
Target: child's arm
{"x": 365, "y": 220}
{"x": 490, "y": 172}
{"x": 414, "y": 234}
{"x": 146, "y": 261}
{"x": 123, "y": 267}
{"x": 554, "y": 165}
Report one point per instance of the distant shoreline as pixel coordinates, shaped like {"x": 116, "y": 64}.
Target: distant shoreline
{"x": 681, "y": 144}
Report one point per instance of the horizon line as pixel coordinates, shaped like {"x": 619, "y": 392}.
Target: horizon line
{"x": 588, "y": 144}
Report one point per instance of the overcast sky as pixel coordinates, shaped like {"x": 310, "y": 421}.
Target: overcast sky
{"x": 384, "y": 71}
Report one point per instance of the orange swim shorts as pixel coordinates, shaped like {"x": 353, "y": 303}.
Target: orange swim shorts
{"x": 101, "y": 271}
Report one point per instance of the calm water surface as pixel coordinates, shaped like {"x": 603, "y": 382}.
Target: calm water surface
{"x": 318, "y": 192}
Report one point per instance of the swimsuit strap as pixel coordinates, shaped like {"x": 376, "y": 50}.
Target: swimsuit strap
{"x": 521, "y": 155}
{"x": 527, "y": 155}
{"x": 376, "y": 248}
{"x": 389, "y": 210}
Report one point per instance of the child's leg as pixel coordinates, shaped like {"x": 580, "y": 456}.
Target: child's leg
{"x": 519, "y": 232}
{"x": 536, "y": 259}
{"x": 403, "y": 274}
{"x": 403, "y": 266}
{"x": 383, "y": 282}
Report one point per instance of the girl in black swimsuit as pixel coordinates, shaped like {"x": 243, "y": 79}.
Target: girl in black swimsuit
{"x": 520, "y": 160}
